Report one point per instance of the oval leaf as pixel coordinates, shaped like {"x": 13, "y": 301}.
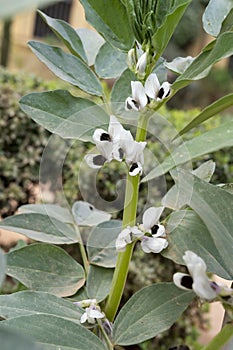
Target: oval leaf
{"x": 149, "y": 312}
{"x": 92, "y": 42}
{"x": 85, "y": 214}
{"x": 47, "y": 268}
{"x": 63, "y": 114}
{"x": 11, "y": 340}
{"x": 67, "y": 67}
{"x": 54, "y": 210}
{"x": 29, "y": 303}
{"x": 101, "y": 243}
{"x": 2, "y": 266}
{"x": 41, "y": 228}
{"x": 99, "y": 282}
{"x": 55, "y": 333}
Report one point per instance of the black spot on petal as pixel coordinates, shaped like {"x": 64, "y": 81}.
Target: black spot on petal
{"x": 105, "y": 137}
{"x": 167, "y": 94}
{"x": 187, "y": 282}
{"x": 160, "y": 93}
{"x": 99, "y": 160}
{"x": 121, "y": 153}
{"x": 154, "y": 229}
{"x": 128, "y": 105}
{"x": 91, "y": 208}
{"x": 133, "y": 167}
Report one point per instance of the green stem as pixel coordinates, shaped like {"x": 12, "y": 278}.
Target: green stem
{"x": 129, "y": 217}
{"x": 221, "y": 338}
{"x": 82, "y": 251}
{"x": 107, "y": 340}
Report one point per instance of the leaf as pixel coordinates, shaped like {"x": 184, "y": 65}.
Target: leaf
{"x": 220, "y": 48}
{"x": 120, "y": 91}
{"x": 227, "y": 24}
{"x": 214, "y": 207}
{"x": 46, "y": 268}
{"x": 163, "y": 34}
{"x": 63, "y": 114}
{"x": 101, "y": 243}
{"x": 67, "y": 34}
{"x": 160, "y": 69}
{"x": 92, "y": 42}
{"x": 179, "y": 64}
{"x": 30, "y": 303}
{"x": 85, "y": 214}
{"x": 99, "y": 282}
{"x": 55, "y": 333}
{"x": 208, "y": 112}
{"x": 2, "y": 266}
{"x": 40, "y": 228}
{"x": 176, "y": 199}
{"x": 67, "y": 67}
{"x": 208, "y": 142}
{"x": 186, "y": 231}
{"x": 10, "y": 8}
{"x": 54, "y": 210}
{"x": 11, "y": 340}
{"x": 214, "y": 15}
{"x": 149, "y": 312}
{"x": 110, "y": 62}
{"x": 110, "y": 21}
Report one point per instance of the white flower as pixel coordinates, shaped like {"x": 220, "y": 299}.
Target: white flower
{"x": 141, "y": 64}
{"x": 139, "y": 98}
{"x": 153, "y": 244}
{"x": 134, "y": 156}
{"x": 131, "y": 59}
{"x": 91, "y": 314}
{"x": 154, "y": 90}
{"x": 198, "y": 280}
{"x": 126, "y": 237}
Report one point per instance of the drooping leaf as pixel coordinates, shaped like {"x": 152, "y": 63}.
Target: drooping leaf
{"x": 214, "y": 207}
{"x": 99, "y": 282}
{"x": 179, "y": 64}
{"x": 101, "y": 243}
{"x": 214, "y": 14}
{"x": 220, "y": 48}
{"x": 149, "y": 312}
{"x": 46, "y": 268}
{"x": 66, "y": 33}
{"x": 186, "y": 231}
{"x": 110, "y": 62}
{"x": 67, "y": 67}
{"x": 41, "y": 228}
{"x": 54, "y": 210}
{"x": 29, "y": 303}
{"x": 91, "y": 41}
{"x": 63, "y": 114}
{"x": 163, "y": 34}
{"x": 208, "y": 112}
{"x": 111, "y": 21}
{"x": 11, "y": 340}
{"x": 2, "y": 266}
{"x": 85, "y": 214}
{"x": 54, "y": 333}
{"x": 208, "y": 142}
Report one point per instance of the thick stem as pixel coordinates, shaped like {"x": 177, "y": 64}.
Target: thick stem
{"x": 221, "y": 338}
{"x": 129, "y": 217}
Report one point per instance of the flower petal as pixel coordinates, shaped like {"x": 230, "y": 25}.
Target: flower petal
{"x": 83, "y": 318}
{"x": 96, "y": 314}
{"x": 183, "y": 281}
{"x": 131, "y": 104}
{"x": 164, "y": 91}
{"x": 151, "y": 217}
{"x": 135, "y": 169}
{"x": 194, "y": 263}
{"x": 139, "y": 94}
{"x": 153, "y": 245}
{"x": 101, "y": 135}
{"x": 95, "y": 161}
{"x": 152, "y": 86}
{"x": 141, "y": 64}
{"x": 202, "y": 287}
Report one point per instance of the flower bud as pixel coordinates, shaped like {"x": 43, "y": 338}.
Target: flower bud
{"x": 141, "y": 64}
{"x": 131, "y": 59}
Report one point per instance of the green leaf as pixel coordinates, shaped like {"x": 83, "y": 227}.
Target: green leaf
{"x": 40, "y": 228}
{"x": 163, "y": 34}
{"x": 179, "y": 64}
{"x": 186, "y": 231}
{"x": 92, "y": 42}
{"x": 99, "y": 282}
{"x": 63, "y": 114}
{"x": 67, "y": 34}
{"x": 163, "y": 7}
{"x": 54, "y": 210}
{"x": 46, "y": 268}
{"x": 101, "y": 243}
{"x": 110, "y": 62}
{"x": 10, "y": 8}
{"x": 30, "y": 303}
{"x": 214, "y": 207}
{"x": 67, "y": 67}
{"x": 110, "y": 21}
{"x": 215, "y": 13}
{"x": 85, "y": 214}
{"x": 227, "y": 24}
{"x": 208, "y": 142}
{"x": 55, "y": 333}
{"x": 2, "y": 266}
{"x": 220, "y": 48}
{"x": 208, "y": 112}
{"x": 120, "y": 91}
{"x": 149, "y": 312}
{"x": 11, "y": 340}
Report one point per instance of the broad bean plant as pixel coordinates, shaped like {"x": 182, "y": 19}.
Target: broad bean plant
{"x": 69, "y": 305}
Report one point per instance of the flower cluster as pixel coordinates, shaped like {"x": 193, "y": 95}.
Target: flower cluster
{"x": 198, "y": 280}
{"x": 117, "y": 144}
{"x": 150, "y": 233}
{"x": 92, "y": 311}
